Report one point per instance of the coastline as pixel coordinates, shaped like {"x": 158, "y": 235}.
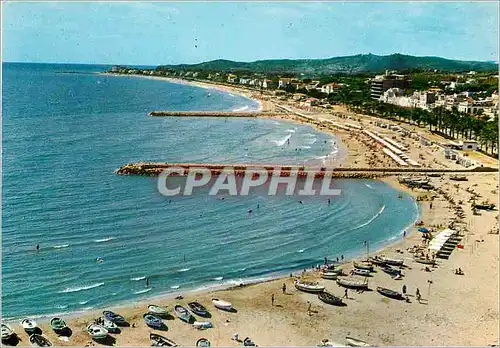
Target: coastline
{"x": 259, "y": 293}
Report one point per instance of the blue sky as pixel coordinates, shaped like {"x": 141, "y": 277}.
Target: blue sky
{"x": 190, "y": 32}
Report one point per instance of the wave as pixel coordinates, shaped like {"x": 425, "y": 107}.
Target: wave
{"x": 61, "y": 306}
{"x": 175, "y": 287}
{"x": 320, "y": 157}
{"x": 104, "y": 240}
{"x": 81, "y": 288}
{"x": 83, "y": 302}
{"x": 61, "y": 246}
{"x": 142, "y": 291}
{"x": 310, "y": 141}
{"x": 218, "y": 278}
{"x": 243, "y": 108}
{"x": 371, "y": 220}
{"x": 282, "y": 141}
{"x": 301, "y": 251}
{"x": 309, "y": 135}
{"x": 290, "y": 130}
{"x": 232, "y": 95}
{"x": 304, "y": 147}
{"x": 368, "y": 185}
{"x": 138, "y": 278}
{"x": 184, "y": 270}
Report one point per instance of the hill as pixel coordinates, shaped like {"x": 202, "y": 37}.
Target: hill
{"x": 361, "y": 63}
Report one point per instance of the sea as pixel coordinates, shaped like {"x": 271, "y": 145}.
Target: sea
{"x": 67, "y": 128}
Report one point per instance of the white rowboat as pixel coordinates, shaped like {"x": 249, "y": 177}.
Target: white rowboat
{"x": 97, "y": 331}
{"x": 29, "y": 325}
{"x": 309, "y": 287}
{"x": 226, "y": 306}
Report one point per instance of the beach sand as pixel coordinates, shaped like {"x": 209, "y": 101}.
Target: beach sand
{"x": 454, "y": 310}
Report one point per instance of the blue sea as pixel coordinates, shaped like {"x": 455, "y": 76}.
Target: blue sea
{"x": 66, "y": 129}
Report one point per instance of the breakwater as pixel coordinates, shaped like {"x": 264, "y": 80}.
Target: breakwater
{"x": 156, "y": 168}
{"x": 214, "y": 114}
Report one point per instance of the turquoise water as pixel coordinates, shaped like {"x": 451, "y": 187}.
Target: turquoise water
{"x": 65, "y": 133}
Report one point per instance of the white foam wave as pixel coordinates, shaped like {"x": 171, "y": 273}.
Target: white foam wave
{"x": 232, "y": 95}
{"x": 81, "y": 288}
{"x": 371, "y": 220}
{"x": 61, "y": 306}
{"x": 304, "y": 147}
{"x": 218, "y": 278}
{"x": 310, "y": 141}
{"x": 104, "y": 240}
{"x": 61, "y": 246}
{"x": 138, "y": 278}
{"x": 282, "y": 141}
{"x": 320, "y": 157}
{"x": 368, "y": 185}
{"x": 83, "y": 302}
{"x": 142, "y": 291}
{"x": 290, "y": 130}
{"x": 243, "y": 108}
{"x": 184, "y": 270}
{"x": 300, "y": 251}
{"x": 309, "y": 135}
{"x": 175, "y": 287}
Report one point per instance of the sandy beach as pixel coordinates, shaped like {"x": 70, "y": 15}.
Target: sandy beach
{"x": 454, "y": 309}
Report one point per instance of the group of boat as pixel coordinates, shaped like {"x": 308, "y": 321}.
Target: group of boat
{"x": 32, "y": 329}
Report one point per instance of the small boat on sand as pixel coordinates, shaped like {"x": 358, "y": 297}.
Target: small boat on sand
{"x": 203, "y": 342}
{"x": 113, "y": 317}
{"x": 362, "y": 265}
{"x": 107, "y": 324}
{"x": 29, "y": 325}
{"x": 328, "y": 275}
{"x": 389, "y": 293}
{"x": 57, "y": 324}
{"x": 97, "y": 331}
{"x": 152, "y": 321}
{"x": 377, "y": 261}
{"x": 201, "y": 325}
{"x": 198, "y": 308}
{"x": 352, "y": 284}
{"x": 391, "y": 271}
{"x": 40, "y": 341}
{"x": 392, "y": 262}
{"x": 330, "y": 299}
{"x": 354, "y": 342}
{"x": 157, "y": 310}
{"x": 247, "y": 342}
{"x": 361, "y": 272}
{"x": 309, "y": 286}
{"x": 183, "y": 314}
{"x": 424, "y": 261}
{"x": 225, "y": 306}
{"x": 7, "y": 332}
{"x": 161, "y": 341}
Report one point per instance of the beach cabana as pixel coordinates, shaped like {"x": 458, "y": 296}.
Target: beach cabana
{"x": 441, "y": 238}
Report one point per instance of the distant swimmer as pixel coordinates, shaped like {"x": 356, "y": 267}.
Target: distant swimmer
{"x": 99, "y": 259}
{"x": 288, "y": 141}
{"x": 300, "y": 202}
{"x": 147, "y": 282}
{"x": 249, "y": 211}
{"x": 258, "y": 205}
{"x": 329, "y": 202}
{"x": 38, "y": 247}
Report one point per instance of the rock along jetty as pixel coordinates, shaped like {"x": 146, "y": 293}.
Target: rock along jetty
{"x": 213, "y": 114}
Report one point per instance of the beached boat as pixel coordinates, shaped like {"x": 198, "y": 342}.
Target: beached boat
{"x": 392, "y": 262}
{"x": 183, "y": 314}
{"x": 353, "y": 284}
{"x": 113, "y": 317}
{"x": 361, "y": 272}
{"x": 458, "y": 178}
{"x": 107, "y": 324}
{"x": 152, "y": 320}
{"x": 354, "y": 342}
{"x": 97, "y": 331}
{"x": 158, "y": 310}
{"x": 29, "y": 325}
{"x": 330, "y": 299}
{"x": 391, "y": 271}
{"x": 377, "y": 261}
{"x": 198, "y": 308}
{"x": 328, "y": 275}
{"x": 424, "y": 261}
{"x": 7, "y": 332}
{"x": 483, "y": 206}
{"x": 226, "y": 306}
{"x": 309, "y": 286}
{"x": 247, "y": 342}
{"x": 389, "y": 293}
{"x": 365, "y": 266}
{"x": 57, "y": 324}
{"x": 203, "y": 342}
{"x": 161, "y": 341}
{"x": 39, "y": 341}
{"x": 201, "y": 325}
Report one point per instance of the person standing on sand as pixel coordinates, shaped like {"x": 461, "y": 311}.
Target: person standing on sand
{"x": 272, "y": 300}
{"x": 417, "y": 294}
{"x": 342, "y": 257}
{"x": 345, "y": 294}
{"x": 284, "y": 288}
{"x": 404, "y": 289}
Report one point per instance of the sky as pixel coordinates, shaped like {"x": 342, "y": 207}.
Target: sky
{"x": 153, "y": 33}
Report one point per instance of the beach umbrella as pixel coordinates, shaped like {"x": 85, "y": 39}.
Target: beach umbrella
{"x": 423, "y": 230}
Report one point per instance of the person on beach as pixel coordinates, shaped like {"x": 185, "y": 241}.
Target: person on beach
{"x": 345, "y": 294}
{"x": 272, "y": 300}
{"x": 337, "y": 259}
{"x": 309, "y": 308}
{"x": 417, "y": 294}
{"x": 342, "y": 257}
{"x": 404, "y": 289}
{"x": 326, "y": 261}
{"x": 147, "y": 282}
{"x": 284, "y": 288}
{"x": 404, "y": 233}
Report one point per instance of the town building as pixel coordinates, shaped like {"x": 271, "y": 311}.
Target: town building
{"x": 381, "y": 83}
